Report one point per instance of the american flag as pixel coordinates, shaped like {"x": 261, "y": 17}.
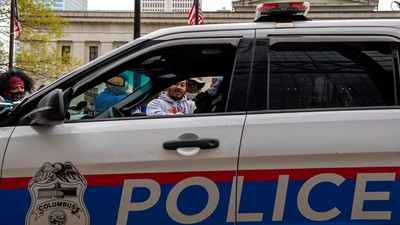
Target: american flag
{"x": 16, "y": 22}
{"x": 192, "y": 14}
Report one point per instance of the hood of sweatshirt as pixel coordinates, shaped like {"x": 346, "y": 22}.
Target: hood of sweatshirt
{"x": 166, "y": 98}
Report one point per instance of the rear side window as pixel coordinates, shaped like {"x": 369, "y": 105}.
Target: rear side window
{"x": 329, "y": 75}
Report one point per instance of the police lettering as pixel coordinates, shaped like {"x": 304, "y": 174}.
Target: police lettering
{"x": 303, "y": 205}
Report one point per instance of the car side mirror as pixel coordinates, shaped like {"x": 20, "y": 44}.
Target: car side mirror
{"x": 50, "y": 109}
{"x": 4, "y": 104}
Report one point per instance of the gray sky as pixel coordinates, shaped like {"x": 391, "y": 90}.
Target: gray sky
{"x": 208, "y": 5}
{"x": 387, "y": 5}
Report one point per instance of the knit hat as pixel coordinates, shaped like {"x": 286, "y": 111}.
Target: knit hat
{"x": 14, "y": 81}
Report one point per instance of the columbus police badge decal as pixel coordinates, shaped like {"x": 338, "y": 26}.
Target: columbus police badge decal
{"x": 57, "y": 196}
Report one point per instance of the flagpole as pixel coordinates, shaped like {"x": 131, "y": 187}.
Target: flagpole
{"x": 136, "y": 20}
{"x": 11, "y": 49}
{"x": 197, "y": 13}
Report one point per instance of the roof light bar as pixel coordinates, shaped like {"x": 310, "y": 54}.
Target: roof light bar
{"x": 282, "y": 9}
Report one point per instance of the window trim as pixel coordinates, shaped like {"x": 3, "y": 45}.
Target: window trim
{"x": 396, "y": 68}
{"x": 103, "y": 71}
{"x": 275, "y": 39}
{"x": 278, "y": 111}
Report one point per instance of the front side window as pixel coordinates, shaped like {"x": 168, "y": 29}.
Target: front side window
{"x": 128, "y": 89}
{"x": 330, "y": 75}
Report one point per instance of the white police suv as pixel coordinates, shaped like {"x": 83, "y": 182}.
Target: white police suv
{"x": 304, "y": 128}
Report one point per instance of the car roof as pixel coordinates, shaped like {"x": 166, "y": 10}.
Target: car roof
{"x": 364, "y": 26}
{"x": 361, "y": 23}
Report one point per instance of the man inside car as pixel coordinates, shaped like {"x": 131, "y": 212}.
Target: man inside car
{"x": 172, "y": 102}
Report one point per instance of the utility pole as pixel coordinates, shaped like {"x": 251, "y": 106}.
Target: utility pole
{"x": 136, "y": 25}
{"x": 197, "y": 12}
{"x": 11, "y": 48}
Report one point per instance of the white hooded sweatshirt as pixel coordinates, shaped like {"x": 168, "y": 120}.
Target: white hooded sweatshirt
{"x": 164, "y": 105}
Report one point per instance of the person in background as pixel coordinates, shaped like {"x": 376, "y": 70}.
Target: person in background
{"x": 194, "y": 87}
{"x": 210, "y": 100}
{"x": 111, "y": 95}
{"x": 14, "y": 85}
{"x": 214, "y": 86}
{"x": 173, "y": 102}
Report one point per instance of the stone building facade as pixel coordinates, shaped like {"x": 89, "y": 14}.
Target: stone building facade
{"x": 92, "y": 34}
{"x": 167, "y": 5}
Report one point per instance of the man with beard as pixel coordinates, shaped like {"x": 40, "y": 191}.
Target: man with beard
{"x": 172, "y": 102}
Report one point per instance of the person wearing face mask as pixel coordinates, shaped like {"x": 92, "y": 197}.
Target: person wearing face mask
{"x": 194, "y": 87}
{"x": 111, "y": 95}
{"x": 172, "y": 102}
{"x": 14, "y": 85}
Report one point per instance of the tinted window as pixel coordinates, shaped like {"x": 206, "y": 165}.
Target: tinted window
{"x": 330, "y": 75}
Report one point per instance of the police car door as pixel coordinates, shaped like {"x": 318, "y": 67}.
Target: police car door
{"x": 5, "y": 133}
{"x": 321, "y": 142}
{"x": 116, "y": 170}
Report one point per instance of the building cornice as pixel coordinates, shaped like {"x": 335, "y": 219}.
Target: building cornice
{"x": 211, "y": 17}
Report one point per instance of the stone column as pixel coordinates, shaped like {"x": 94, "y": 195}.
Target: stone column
{"x": 78, "y": 50}
{"x": 105, "y": 47}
